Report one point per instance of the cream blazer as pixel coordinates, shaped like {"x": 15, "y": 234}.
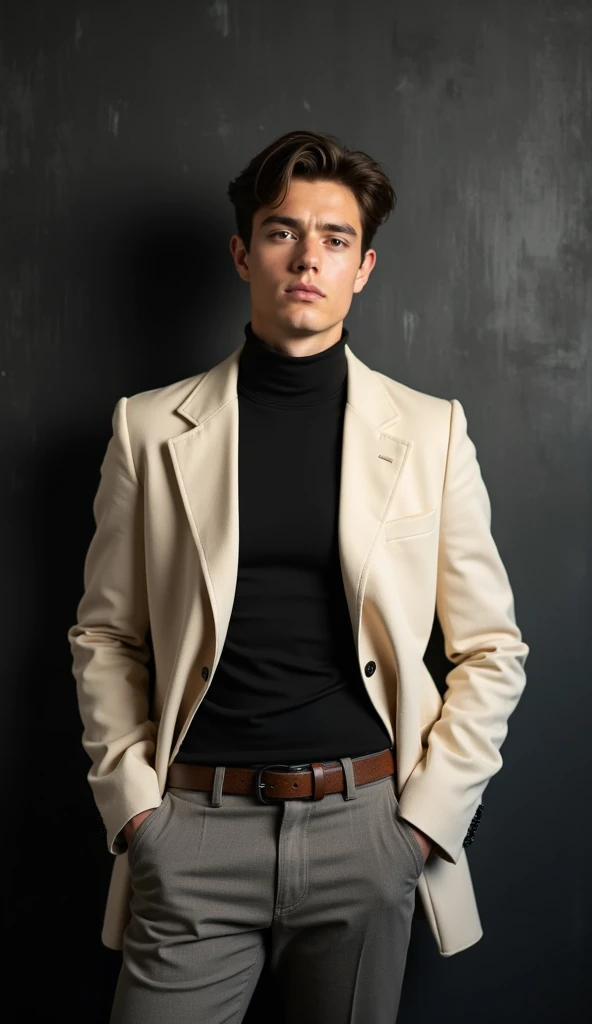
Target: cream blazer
{"x": 414, "y": 537}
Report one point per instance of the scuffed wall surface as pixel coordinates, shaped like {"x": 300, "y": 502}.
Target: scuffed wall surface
{"x": 120, "y": 127}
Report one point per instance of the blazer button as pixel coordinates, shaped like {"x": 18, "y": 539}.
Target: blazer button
{"x": 205, "y": 672}
{"x": 370, "y": 668}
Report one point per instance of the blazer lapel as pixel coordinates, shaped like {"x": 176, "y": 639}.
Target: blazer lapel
{"x": 205, "y": 460}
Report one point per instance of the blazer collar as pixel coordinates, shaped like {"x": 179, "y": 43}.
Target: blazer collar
{"x": 217, "y": 387}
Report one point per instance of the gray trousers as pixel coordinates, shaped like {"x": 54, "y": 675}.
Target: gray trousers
{"x": 331, "y": 882}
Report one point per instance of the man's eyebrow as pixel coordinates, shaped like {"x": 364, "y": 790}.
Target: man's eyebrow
{"x": 295, "y": 222}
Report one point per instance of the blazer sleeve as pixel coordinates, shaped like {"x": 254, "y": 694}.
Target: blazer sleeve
{"x": 109, "y": 646}
{"x": 475, "y": 606}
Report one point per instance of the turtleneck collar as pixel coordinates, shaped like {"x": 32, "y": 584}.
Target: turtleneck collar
{"x": 273, "y": 377}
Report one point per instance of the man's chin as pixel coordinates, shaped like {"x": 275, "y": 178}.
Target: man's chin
{"x": 307, "y": 321}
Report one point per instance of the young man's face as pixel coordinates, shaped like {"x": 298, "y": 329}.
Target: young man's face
{"x": 283, "y": 255}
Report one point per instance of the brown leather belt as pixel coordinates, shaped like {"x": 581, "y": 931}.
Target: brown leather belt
{"x": 270, "y": 783}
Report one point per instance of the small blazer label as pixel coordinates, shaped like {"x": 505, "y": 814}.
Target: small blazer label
{"x": 410, "y": 526}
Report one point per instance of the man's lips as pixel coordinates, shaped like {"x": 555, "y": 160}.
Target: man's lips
{"x": 305, "y": 291}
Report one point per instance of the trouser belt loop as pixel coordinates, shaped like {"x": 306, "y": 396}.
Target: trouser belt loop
{"x": 218, "y": 784}
{"x": 350, "y": 783}
{"x": 318, "y": 780}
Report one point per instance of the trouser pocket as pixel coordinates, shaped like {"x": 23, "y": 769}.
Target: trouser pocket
{"x": 145, "y": 826}
{"x": 406, "y": 830}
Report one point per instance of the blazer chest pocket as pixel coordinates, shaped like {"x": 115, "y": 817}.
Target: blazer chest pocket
{"x": 410, "y": 526}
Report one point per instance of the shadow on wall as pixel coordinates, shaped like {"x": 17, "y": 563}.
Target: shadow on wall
{"x": 143, "y": 274}
{"x": 158, "y": 276}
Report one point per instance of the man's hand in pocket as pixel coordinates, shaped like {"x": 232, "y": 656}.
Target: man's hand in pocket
{"x": 134, "y": 823}
{"x": 424, "y": 842}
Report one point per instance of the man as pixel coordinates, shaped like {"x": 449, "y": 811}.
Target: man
{"x": 319, "y": 784}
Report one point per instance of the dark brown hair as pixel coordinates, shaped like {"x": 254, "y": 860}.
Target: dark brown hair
{"x": 265, "y": 181}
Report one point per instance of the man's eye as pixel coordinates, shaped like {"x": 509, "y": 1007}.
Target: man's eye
{"x": 285, "y": 232}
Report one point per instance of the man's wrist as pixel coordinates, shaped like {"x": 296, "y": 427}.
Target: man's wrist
{"x": 419, "y": 831}
{"x": 427, "y": 838}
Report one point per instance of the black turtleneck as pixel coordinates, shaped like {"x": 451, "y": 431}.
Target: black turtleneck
{"x": 287, "y": 687}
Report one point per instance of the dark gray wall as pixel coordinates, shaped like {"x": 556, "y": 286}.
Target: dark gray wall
{"x": 121, "y": 124}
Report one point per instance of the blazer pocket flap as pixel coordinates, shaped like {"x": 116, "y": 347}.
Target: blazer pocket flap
{"x": 410, "y": 526}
